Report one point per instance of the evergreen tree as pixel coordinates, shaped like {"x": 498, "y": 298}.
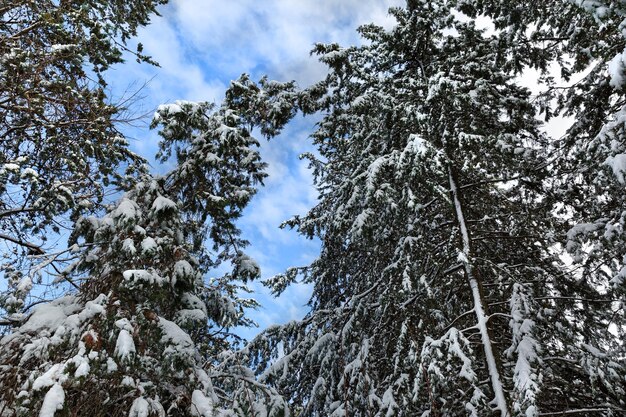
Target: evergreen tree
{"x": 439, "y": 289}
{"x": 145, "y": 335}
{"x": 59, "y": 144}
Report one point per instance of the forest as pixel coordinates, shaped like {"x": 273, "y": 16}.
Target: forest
{"x": 471, "y": 262}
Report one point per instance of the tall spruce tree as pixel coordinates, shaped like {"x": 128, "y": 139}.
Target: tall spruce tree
{"x": 439, "y": 289}
{"x": 145, "y": 334}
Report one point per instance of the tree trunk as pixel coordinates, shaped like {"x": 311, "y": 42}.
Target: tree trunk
{"x": 480, "y": 306}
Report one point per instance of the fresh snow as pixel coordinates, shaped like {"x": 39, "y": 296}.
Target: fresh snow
{"x": 162, "y": 204}
{"x": 51, "y": 315}
{"x": 616, "y": 71}
{"x": 618, "y": 164}
{"x": 177, "y": 339}
{"x": 125, "y": 346}
{"x": 49, "y": 378}
{"x": 126, "y": 210}
{"x": 53, "y": 401}
{"x": 140, "y": 408}
{"x": 141, "y": 275}
{"x": 201, "y": 405}
{"x": 111, "y": 365}
{"x": 62, "y": 47}
{"x": 11, "y": 167}
{"x": 183, "y": 269}
{"x": 129, "y": 246}
{"x": 247, "y": 265}
{"x": 149, "y": 246}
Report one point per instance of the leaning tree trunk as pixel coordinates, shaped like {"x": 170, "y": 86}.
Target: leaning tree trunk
{"x": 480, "y": 306}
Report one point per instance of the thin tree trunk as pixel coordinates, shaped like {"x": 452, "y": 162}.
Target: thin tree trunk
{"x": 480, "y": 306}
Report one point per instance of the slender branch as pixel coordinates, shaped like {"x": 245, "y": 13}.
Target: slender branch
{"x": 588, "y": 300}
{"x": 34, "y": 248}
{"x": 493, "y": 181}
{"x": 449, "y": 326}
{"x": 579, "y": 411}
{"x": 11, "y": 212}
{"x": 22, "y": 32}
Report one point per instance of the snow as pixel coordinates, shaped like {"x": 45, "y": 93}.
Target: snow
{"x": 174, "y": 108}
{"x": 54, "y": 323}
{"x": 128, "y": 381}
{"x": 141, "y": 275}
{"x": 50, "y": 316}
{"x": 182, "y": 269}
{"x": 161, "y": 204}
{"x": 416, "y": 145}
{"x": 407, "y": 284}
{"x": 128, "y": 246}
{"x": 372, "y": 172}
{"x": 360, "y": 221}
{"x": 201, "y": 405}
{"x": 178, "y": 340}
{"x": 389, "y": 403}
{"x": 140, "y": 408}
{"x": 11, "y": 167}
{"x": 124, "y": 347}
{"x": 149, "y": 246}
{"x": 111, "y": 365}
{"x": 247, "y": 265}
{"x": 455, "y": 347}
{"x": 618, "y": 164}
{"x": 616, "y": 71}
{"x": 526, "y": 348}
{"x": 618, "y": 280}
{"x": 82, "y": 364}
{"x": 193, "y": 302}
{"x": 25, "y": 285}
{"x": 53, "y": 401}
{"x": 212, "y": 158}
{"x": 62, "y": 47}
{"x": 126, "y": 210}
{"x": 191, "y": 315}
{"x": 49, "y": 378}
{"x": 29, "y": 172}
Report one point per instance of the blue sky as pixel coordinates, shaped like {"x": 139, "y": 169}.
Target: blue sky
{"x": 203, "y": 44}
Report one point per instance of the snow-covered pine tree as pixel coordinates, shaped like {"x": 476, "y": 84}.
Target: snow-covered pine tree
{"x": 145, "y": 334}
{"x": 59, "y": 144}
{"x": 439, "y": 289}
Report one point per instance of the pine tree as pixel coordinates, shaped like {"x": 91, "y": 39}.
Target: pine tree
{"x": 439, "y": 289}
{"x": 60, "y": 147}
{"x": 145, "y": 334}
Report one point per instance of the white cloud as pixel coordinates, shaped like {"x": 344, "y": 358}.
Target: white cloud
{"x": 274, "y": 34}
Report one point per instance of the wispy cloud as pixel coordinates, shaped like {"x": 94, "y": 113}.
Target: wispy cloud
{"x": 273, "y": 36}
